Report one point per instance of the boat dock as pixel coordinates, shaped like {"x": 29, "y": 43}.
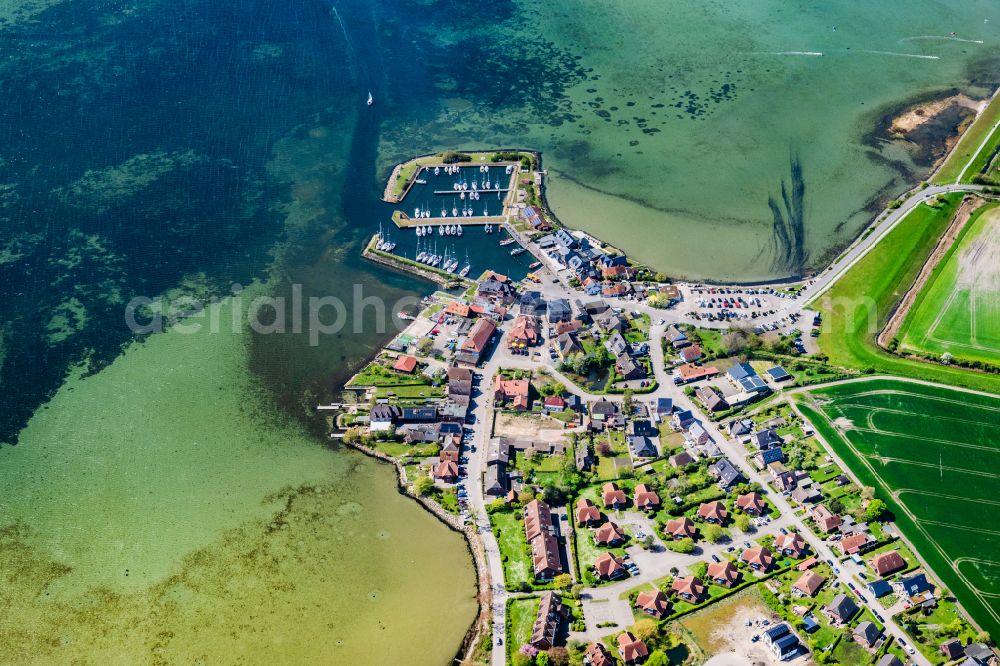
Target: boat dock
{"x": 404, "y": 221}
{"x": 459, "y": 192}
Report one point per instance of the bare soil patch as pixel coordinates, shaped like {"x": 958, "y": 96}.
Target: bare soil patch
{"x": 722, "y": 629}
{"x": 531, "y": 427}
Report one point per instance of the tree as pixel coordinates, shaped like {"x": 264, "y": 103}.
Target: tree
{"x": 628, "y": 404}
{"x": 742, "y": 522}
{"x": 684, "y": 546}
{"x": 424, "y": 486}
{"x": 425, "y": 346}
{"x": 836, "y": 506}
{"x": 542, "y": 659}
{"x": 604, "y": 448}
{"x": 558, "y": 656}
{"x": 521, "y": 659}
{"x": 563, "y": 581}
{"x": 658, "y": 658}
{"x": 354, "y": 436}
{"x": 700, "y": 570}
{"x": 875, "y": 509}
{"x": 645, "y": 629}
{"x": 713, "y": 533}
{"x": 983, "y": 637}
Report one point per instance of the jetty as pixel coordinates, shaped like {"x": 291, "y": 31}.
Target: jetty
{"x": 435, "y": 275}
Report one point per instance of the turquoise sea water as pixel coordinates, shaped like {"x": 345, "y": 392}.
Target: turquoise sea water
{"x": 178, "y": 148}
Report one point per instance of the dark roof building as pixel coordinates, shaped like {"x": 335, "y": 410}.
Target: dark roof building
{"x": 549, "y": 617}
{"x": 727, "y": 474}
{"x": 842, "y": 609}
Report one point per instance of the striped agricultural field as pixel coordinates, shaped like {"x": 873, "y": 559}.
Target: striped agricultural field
{"x": 933, "y": 453}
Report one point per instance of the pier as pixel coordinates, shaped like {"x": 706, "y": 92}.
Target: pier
{"x": 455, "y": 192}
{"x": 404, "y": 221}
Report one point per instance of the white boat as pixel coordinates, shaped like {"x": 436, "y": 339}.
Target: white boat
{"x": 516, "y": 251}
{"x": 421, "y": 256}
{"x": 447, "y": 230}
{"x": 459, "y": 231}
{"x": 454, "y": 211}
{"x": 371, "y": 100}
{"x": 416, "y": 212}
{"x": 420, "y": 181}
{"x": 465, "y": 270}
{"x": 441, "y": 230}
{"x": 437, "y": 170}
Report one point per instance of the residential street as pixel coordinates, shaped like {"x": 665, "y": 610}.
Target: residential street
{"x": 602, "y": 604}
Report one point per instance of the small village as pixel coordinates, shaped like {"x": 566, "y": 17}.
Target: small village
{"x": 621, "y": 453}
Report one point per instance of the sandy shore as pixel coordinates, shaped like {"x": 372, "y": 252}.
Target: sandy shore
{"x": 918, "y": 115}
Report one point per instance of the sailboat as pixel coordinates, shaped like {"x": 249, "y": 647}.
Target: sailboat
{"x": 467, "y": 267}
{"x": 371, "y": 100}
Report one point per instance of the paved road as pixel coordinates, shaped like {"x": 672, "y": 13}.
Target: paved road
{"x": 863, "y": 246}
{"x": 735, "y": 452}
{"x": 603, "y": 601}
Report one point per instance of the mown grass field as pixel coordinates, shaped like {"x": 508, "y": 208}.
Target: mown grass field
{"x": 958, "y": 310}
{"x": 858, "y": 305}
{"x": 933, "y": 453}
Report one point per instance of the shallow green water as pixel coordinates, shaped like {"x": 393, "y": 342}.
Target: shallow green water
{"x": 166, "y": 495}
{"x": 176, "y": 503}
{"x": 683, "y": 121}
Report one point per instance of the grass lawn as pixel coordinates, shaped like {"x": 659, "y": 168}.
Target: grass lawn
{"x": 958, "y": 310}
{"x": 849, "y": 652}
{"x": 520, "y": 619}
{"x": 929, "y": 452}
{"x": 401, "y": 449}
{"x": 968, "y": 148}
{"x": 929, "y": 631}
{"x": 607, "y": 469}
{"x": 509, "y": 532}
{"x": 411, "y": 392}
{"x": 587, "y": 551}
{"x": 376, "y": 374}
{"x": 856, "y": 308}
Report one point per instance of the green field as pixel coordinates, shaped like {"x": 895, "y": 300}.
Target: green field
{"x": 858, "y": 305}
{"x": 958, "y": 311}
{"x": 967, "y": 151}
{"x": 934, "y": 454}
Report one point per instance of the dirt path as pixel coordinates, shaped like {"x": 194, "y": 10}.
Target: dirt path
{"x": 969, "y": 205}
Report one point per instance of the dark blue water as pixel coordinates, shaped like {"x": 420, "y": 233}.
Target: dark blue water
{"x": 183, "y": 146}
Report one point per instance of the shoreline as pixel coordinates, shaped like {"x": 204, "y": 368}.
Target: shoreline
{"x": 483, "y": 590}
{"x": 483, "y": 622}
